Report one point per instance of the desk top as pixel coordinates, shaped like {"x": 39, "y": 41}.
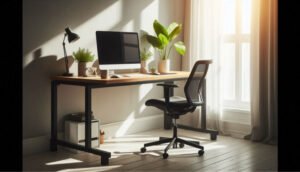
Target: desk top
{"x": 132, "y": 78}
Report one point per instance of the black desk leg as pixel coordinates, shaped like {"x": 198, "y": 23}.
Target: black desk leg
{"x": 167, "y": 118}
{"x": 104, "y": 160}
{"x": 213, "y": 133}
{"x": 53, "y": 140}
{"x": 88, "y": 112}
{"x": 88, "y": 129}
{"x": 203, "y": 107}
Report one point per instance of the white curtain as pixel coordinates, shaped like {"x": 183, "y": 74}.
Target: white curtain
{"x": 202, "y": 36}
{"x": 202, "y": 39}
{"x": 264, "y": 112}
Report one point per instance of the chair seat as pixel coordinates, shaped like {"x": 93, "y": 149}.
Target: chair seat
{"x": 176, "y": 107}
{"x": 181, "y": 99}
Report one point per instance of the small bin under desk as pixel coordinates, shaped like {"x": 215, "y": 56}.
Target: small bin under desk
{"x": 75, "y": 133}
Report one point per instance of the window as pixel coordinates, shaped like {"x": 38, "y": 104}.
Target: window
{"x": 235, "y": 53}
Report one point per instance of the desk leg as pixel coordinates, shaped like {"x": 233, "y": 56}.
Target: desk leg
{"x": 213, "y": 133}
{"x": 88, "y": 112}
{"x": 203, "y": 107}
{"x": 167, "y": 118}
{"x": 53, "y": 140}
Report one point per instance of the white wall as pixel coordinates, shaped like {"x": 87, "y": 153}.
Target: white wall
{"x": 43, "y": 29}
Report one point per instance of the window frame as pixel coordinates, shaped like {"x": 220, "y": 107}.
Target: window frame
{"x": 238, "y": 38}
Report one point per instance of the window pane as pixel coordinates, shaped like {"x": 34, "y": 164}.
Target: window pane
{"x": 228, "y": 70}
{"x": 246, "y": 19}
{"x": 228, "y": 16}
{"x": 245, "y": 72}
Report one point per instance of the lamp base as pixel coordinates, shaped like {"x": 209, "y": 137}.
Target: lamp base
{"x": 68, "y": 74}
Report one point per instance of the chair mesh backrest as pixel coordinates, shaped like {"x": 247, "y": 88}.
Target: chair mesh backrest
{"x": 192, "y": 88}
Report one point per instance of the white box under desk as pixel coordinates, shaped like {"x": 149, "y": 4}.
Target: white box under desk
{"x": 75, "y": 133}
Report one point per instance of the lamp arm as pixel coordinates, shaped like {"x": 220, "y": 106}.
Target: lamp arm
{"x": 64, "y": 37}
{"x": 65, "y": 54}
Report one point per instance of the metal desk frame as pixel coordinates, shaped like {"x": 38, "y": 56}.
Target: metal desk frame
{"x": 56, "y": 81}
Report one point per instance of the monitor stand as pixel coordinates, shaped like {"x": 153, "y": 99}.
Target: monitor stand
{"x": 110, "y": 72}
{"x": 106, "y": 73}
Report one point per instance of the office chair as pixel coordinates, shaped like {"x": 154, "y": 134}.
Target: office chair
{"x": 175, "y": 109}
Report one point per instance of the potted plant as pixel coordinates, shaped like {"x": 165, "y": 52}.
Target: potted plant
{"x": 82, "y": 56}
{"x": 145, "y": 52}
{"x": 145, "y": 55}
{"x": 153, "y": 69}
{"x": 164, "y": 41}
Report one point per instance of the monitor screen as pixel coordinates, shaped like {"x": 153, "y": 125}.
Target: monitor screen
{"x": 118, "y": 50}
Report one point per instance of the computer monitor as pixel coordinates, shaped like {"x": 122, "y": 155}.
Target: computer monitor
{"x": 118, "y": 50}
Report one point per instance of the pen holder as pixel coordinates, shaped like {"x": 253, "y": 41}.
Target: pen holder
{"x": 101, "y": 138}
{"x": 104, "y": 74}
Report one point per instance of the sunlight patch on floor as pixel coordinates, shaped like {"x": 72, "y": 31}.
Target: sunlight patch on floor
{"x": 65, "y": 161}
{"x": 131, "y": 139}
{"x": 92, "y": 169}
{"x": 215, "y": 145}
{"x": 131, "y": 145}
{"x": 125, "y": 125}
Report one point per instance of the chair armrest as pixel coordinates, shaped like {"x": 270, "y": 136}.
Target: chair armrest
{"x": 168, "y": 85}
{"x": 167, "y": 89}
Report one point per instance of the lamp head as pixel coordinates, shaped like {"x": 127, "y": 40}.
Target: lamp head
{"x": 71, "y": 36}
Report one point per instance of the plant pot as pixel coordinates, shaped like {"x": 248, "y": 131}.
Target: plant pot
{"x": 164, "y": 66}
{"x": 82, "y": 69}
{"x": 143, "y": 67}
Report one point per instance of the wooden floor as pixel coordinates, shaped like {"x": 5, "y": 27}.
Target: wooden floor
{"x": 225, "y": 154}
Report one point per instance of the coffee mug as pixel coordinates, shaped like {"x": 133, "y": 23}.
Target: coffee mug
{"x": 104, "y": 74}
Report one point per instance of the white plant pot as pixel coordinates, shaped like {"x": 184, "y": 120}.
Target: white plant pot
{"x": 143, "y": 67}
{"x": 164, "y": 66}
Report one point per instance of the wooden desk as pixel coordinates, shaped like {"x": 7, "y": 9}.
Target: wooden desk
{"x": 132, "y": 79}
{"x": 96, "y": 82}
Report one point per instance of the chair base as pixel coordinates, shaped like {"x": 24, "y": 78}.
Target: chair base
{"x": 173, "y": 142}
{"x": 181, "y": 145}
{"x": 213, "y": 133}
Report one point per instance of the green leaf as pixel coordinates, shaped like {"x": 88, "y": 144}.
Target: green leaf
{"x": 155, "y": 42}
{"x": 164, "y": 40}
{"x": 176, "y": 31}
{"x": 171, "y": 27}
{"x": 180, "y": 47}
{"x": 160, "y": 29}
{"x": 83, "y": 55}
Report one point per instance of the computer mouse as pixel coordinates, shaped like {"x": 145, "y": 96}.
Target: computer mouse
{"x": 115, "y": 76}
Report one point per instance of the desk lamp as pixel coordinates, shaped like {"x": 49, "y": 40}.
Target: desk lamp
{"x": 72, "y": 37}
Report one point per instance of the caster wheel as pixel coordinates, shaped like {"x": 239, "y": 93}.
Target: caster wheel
{"x": 181, "y": 145}
{"x": 175, "y": 145}
{"x": 213, "y": 137}
{"x": 143, "y": 149}
{"x": 200, "y": 152}
{"x": 165, "y": 155}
